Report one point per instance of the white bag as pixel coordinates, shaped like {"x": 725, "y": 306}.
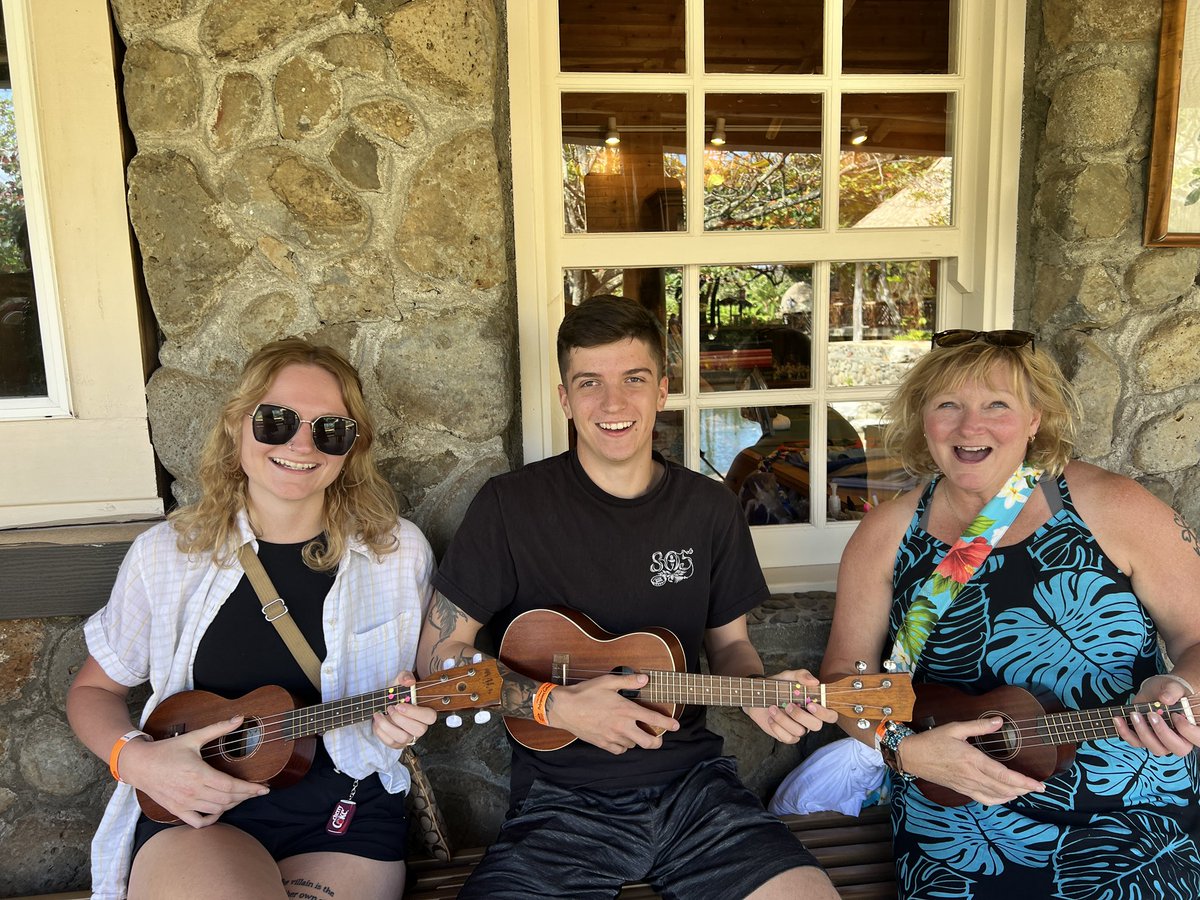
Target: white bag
{"x": 841, "y": 777}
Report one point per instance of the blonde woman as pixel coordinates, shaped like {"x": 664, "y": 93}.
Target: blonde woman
{"x": 288, "y": 470}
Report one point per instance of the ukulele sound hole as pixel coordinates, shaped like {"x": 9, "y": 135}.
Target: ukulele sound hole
{"x": 1003, "y": 744}
{"x": 244, "y": 742}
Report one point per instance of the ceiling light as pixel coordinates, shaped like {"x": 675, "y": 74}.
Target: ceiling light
{"x": 612, "y": 137}
{"x": 718, "y": 134}
{"x": 858, "y": 134}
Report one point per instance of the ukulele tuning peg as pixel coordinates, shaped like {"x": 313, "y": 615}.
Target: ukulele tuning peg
{"x": 447, "y": 664}
{"x": 454, "y": 720}
{"x": 482, "y": 717}
{"x": 887, "y": 712}
{"x": 477, "y": 658}
{"x": 860, "y": 666}
{"x": 863, "y": 724}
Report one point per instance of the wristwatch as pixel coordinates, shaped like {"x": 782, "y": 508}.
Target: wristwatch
{"x": 890, "y": 735}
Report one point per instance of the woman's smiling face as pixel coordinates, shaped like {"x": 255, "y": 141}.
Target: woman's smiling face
{"x": 978, "y": 432}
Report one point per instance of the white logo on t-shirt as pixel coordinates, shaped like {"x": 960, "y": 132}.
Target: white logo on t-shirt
{"x": 670, "y": 566}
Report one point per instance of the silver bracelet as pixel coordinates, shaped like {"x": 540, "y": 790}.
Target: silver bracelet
{"x": 1177, "y": 678}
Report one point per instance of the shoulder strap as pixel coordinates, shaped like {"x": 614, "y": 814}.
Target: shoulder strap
{"x": 957, "y": 566}
{"x": 276, "y": 612}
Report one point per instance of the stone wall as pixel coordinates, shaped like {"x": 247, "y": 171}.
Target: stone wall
{"x": 1123, "y": 320}
{"x": 334, "y": 170}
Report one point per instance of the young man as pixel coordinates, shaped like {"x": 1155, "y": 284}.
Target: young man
{"x": 613, "y": 530}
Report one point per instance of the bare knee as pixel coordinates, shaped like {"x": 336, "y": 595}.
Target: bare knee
{"x": 217, "y": 861}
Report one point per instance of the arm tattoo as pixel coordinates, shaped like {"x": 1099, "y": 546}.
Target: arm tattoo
{"x": 1188, "y": 533}
{"x": 516, "y": 698}
{"x": 445, "y": 617}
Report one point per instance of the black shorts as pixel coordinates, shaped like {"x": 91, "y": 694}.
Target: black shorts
{"x": 704, "y": 835}
{"x": 289, "y": 821}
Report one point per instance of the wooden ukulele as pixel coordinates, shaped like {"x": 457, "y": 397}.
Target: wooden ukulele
{"x": 564, "y": 646}
{"x": 1036, "y": 739}
{"x": 276, "y": 742}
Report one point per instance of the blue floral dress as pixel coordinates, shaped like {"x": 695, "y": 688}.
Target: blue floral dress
{"x": 1052, "y": 614}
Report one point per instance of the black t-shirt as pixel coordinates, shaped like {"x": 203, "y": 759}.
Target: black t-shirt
{"x": 241, "y": 650}
{"x": 678, "y": 557}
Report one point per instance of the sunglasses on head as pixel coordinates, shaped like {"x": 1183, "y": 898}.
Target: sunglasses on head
{"x": 956, "y": 337}
{"x": 332, "y": 435}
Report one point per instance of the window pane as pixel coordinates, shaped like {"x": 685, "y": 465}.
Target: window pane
{"x": 22, "y": 367}
{"x": 755, "y": 327}
{"x": 761, "y": 454}
{"x": 860, "y": 473}
{"x": 668, "y": 435}
{"x": 768, "y": 37}
{"x": 896, "y": 167}
{"x": 897, "y": 37}
{"x": 881, "y": 316}
{"x": 658, "y": 290}
{"x": 621, "y": 35}
{"x": 762, "y": 161}
{"x": 623, "y": 162}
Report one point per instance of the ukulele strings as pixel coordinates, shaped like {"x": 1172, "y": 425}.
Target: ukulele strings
{"x": 755, "y": 686}
{"x": 274, "y": 727}
{"x": 1070, "y": 727}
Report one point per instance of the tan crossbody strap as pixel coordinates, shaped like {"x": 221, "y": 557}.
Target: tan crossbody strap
{"x": 276, "y": 612}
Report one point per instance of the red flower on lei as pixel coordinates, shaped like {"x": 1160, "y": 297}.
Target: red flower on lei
{"x": 963, "y": 559}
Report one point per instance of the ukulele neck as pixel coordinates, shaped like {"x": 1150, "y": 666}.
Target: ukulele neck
{"x": 324, "y": 717}
{"x": 722, "y": 690}
{"x": 1074, "y": 726}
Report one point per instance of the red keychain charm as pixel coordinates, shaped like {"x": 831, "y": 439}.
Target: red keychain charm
{"x": 343, "y": 813}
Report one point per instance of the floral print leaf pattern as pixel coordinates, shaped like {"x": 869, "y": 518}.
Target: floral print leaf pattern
{"x": 956, "y": 651}
{"x": 916, "y": 628}
{"x": 928, "y": 880}
{"x": 1128, "y": 856}
{"x": 1110, "y": 767}
{"x": 1076, "y": 635}
{"x": 979, "y": 526}
{"x": 978, "y": 839}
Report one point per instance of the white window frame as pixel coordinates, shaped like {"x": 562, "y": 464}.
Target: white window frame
{"x": 83, "y": 454}
{"x": 977, "y": 285}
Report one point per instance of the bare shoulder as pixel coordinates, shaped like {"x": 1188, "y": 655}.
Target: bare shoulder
{"x": 1103, "y": 495}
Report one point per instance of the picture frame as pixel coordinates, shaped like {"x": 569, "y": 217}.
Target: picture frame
{"x": 1173, "y": 183}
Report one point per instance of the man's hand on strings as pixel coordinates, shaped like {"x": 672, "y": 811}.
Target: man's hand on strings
{"x": 595, "y": 712}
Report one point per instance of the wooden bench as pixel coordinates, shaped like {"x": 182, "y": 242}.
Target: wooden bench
{"x": 856, "y": 853}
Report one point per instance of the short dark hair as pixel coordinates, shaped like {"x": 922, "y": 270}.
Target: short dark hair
{"x": 606, "y": 319}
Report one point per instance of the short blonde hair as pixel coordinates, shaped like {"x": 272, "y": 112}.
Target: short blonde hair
{"x": 358, "y": 503}
{"x": 1031, "y": 374}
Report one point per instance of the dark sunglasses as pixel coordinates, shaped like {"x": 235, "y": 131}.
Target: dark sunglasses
{"x": 956, "y": 337}
{"x": 332, "y": 435}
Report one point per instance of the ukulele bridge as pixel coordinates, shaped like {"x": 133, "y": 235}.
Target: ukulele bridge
{"x": 559, "y": 668}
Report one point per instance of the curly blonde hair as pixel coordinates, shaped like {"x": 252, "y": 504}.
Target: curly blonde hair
{"x": 1030, "y": 374}
{"x": 359, "y": 502}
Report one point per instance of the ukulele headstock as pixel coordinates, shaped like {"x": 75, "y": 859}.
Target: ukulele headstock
{"x": 885, "y": 695}
{"x": 472, "y": 686}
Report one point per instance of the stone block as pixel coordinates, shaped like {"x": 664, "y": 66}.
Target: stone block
{"x": 53, "y": 762}
{"x": 1169, "y": 442}
{"x": 453, "y": 223}
{"x": 1093, "y": 109}
{"x": 239, "y": 105}
{"x": 1169, "y": 357}
{"x": 447, "y": 47}
{"x": 1096, "y": 377}
{"x": 1054, "y": 287}
{"x": 245, "y": 29}
{"x": 1099, "y": 298}
{"x": 267, "y": 318}
{"x": 135, "y": 15}
{"x": 1101, "y": 203}
{"x": 183, "y": 409}
{"x": 357, "y": 289}
{"x": 1157, "y": 276}
{"x": 356, "y": 159}
{"x": 355, "y": 54}
{"x": 386, "y": 118}
{"x": 187, "y": 250}
{"x": 451, "y": 373}
{"x": 444, "y": 507}
{"x": 412, "y": 476}
{"x": 162, "y": 90}
{"x": 307, "y": 99}
{"x": 1068, "y": 22}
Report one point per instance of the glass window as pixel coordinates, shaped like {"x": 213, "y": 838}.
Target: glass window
{"x": 898, "y": 37}
{"x": 896, "y": 167}
{"x": 783, "y": 37}
{"x": 624, "y": 162}
{"x": 762, "y": 161}
{"x": 620, "y": 35}
{"x": 22, "y": 364}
